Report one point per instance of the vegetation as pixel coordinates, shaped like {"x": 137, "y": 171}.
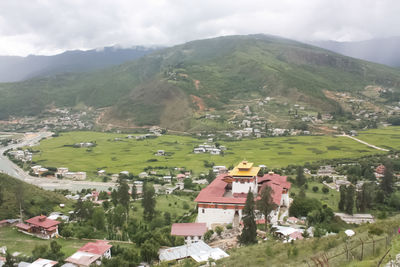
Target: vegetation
{"x": 132, "y": 155}
{"x": 34, "y": 200}
{"x": 249, "y": 231}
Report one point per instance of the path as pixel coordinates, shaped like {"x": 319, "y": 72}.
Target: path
{"x": 365, "y": 143}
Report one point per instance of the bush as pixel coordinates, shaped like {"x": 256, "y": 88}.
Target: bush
{"x": 375, "y": 230}
{"x": 325, "y": 190}
{"x": 207, "y": 235}
{"x": 219, "y": 230}
{"x": 315, "y": 189}
{"x": 229, "y": 226}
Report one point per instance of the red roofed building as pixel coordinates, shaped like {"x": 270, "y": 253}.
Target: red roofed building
{"x": 192, "y": 232}
{"x": 40, "y": 226}
{"x": 222, "y": 201}
{"x": 90, "y": 253}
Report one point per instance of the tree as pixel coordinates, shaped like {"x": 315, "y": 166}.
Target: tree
{"x": 302, "y": 206}
{"x": 315, "y": 189}
{"x": 114, "y": 197}
{"x": 325, "y": 190}
{"x": 134, "y": 192}
{"x": 208, "y": 235}
{"x": 167, "y": 218}
{"x": 300, "y": 178}
{"x": 1, "y": 197}
{"x": 55, "y": 251}
{"x": 387, "y": 180}
{"x": 219, "y": 229}
{"x": 319, "y": 116}
{"x": 123, "y": 194}
{"x": 349, "y": 199}
{"x": 119, "y": 215}
{"x": 211, "y": 176}
{"x": 10, "y": 261}
{"x": 148, "y": 201}
{"x": 99, "y": 218}
{"x": 266, "y": 204}
{"x": 249, "y": 232}
{"x": 342, "y": 201}
{"x": 188, "y": 183}
{"x": 149, "y": 250}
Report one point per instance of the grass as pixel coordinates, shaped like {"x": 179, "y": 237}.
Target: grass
{"x": 275, "y": 253}
{"x": 133, "y": 156}
{"x": 16, "y": 241}
{"x": 388, "y": 137}
{"x": 166, "y": 203}
{"x": 331, "y": 199}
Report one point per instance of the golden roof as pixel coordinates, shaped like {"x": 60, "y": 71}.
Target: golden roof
{"x": 244, "y": 168}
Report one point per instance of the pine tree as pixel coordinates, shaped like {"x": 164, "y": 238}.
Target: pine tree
{"x": 266, "y": 204}
{"x": 300, "y": 178}
{"x": 123, "y": 194}
{"x": 342, "y": 200}
{"x": 148, "y": 201}
{"x": 249, "y": 232}
{"x": 350, "y": 199}
{"x": 387, "y": 180}
{"x": 134, "y": 192}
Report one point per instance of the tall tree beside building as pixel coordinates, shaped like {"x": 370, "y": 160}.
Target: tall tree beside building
{"x": 300, "y": 177}
{"x": 387, "y": 180}
{"x": 342, "y": 200}
{"x": 123, "y": 194}
{"x": 148, "y": 201}
{"x": 134, "y": 192}
{"x": 249, "y": 232}
{"x": 350, "y": 191}
{"x": 266, "y": 204}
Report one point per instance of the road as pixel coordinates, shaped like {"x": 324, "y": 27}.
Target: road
{"x": 365, "y": 143}
{"x": 8, "y": 167}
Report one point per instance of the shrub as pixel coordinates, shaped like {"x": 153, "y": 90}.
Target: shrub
{"x": 229, "y": 226}
{"x": 207, "y": 235}
{"x": 219, "y": 230}
{"x": 315, "y": 189}
{"x": 325, "y": 190}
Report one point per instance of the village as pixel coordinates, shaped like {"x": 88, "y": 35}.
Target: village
{"x": 218, "y": 222}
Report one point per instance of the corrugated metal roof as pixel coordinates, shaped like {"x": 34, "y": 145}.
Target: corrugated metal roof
{"x": 184, "y": 251}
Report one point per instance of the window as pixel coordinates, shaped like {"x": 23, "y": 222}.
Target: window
{"x": 202, "y": 211}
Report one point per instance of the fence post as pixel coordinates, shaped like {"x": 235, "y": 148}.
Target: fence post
{"x": 347, "y": 253}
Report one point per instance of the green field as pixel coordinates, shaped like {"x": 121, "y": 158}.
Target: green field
{"x": 134, "y": 156}
{"x": 388, "y": 138}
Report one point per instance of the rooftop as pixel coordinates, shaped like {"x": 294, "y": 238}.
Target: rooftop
{"x": 188, "y": 229}
{"x": 245, "y": 168}
{"x": 42, "y": 221}
{"x": 99, "y": 247}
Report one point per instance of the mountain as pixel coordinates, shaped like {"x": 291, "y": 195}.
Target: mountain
{"x": 14, "y": 68}
{"x": 35, "y": 200}
{"x": 173, "y": 86}
{"x": 383, "y": 51}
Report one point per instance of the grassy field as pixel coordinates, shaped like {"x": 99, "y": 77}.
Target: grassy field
{"x": 388, "y": 138}
{"x": 166, "y": 203}
{"x": 134, "y": 156}
{"x": 331, "y": 199}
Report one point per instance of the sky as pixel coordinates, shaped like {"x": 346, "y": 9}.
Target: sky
{"x": 46, "y": 27}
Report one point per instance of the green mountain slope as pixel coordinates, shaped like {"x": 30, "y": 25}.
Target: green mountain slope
{"x": 169, "y": 86}
{"x": 36, "y": 201}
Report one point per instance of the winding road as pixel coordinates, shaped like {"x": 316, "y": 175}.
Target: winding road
{"x": 8, "y": 167}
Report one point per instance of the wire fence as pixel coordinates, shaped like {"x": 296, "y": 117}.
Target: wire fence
{"x": 357, "y": 250}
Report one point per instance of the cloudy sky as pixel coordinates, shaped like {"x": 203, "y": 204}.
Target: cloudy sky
{"x": 53, "y": 26}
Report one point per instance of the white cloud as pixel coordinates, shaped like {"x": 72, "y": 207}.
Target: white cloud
{"x": 48, "y": 27}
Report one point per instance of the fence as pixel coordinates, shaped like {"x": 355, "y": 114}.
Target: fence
{"x": 356, "y": 250}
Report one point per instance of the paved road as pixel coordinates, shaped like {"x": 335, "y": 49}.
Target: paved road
{"x": 11, "y": 169}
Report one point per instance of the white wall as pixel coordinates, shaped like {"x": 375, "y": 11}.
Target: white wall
{"x": 238, "y": 187}
{"x": 216, "y": 216}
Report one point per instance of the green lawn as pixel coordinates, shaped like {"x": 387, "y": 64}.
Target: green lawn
{"x": 16, "y": 241}
{"x": 134, "y": 156}
{"x": 388, "y": 137}
{"x": 166, "y": 203}
{"x": 331, "y": 199}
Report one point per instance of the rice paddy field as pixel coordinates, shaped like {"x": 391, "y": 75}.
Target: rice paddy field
{"x": 115, "y": 153}
{"x": 388, "y": 138}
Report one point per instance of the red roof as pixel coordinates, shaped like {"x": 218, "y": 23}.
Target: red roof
{"x": 215, "y": 191}
{"x": 23, "y": 226}
{"x": 277, "y": 183}
{"x": 42, "y": 221}
{"x": 99, "y": 247}
{"x": 3, "y": 221}
{"x": 188, "y": 229}
{"x": 296, "y": 235}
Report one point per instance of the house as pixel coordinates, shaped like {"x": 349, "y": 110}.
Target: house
{"x": 199, "y": 150}
{"x": 40, "y": 226}
{"x": 215, "y": 151}
{"x": 167, "y": 178}
{"x": 294, "y": 220}
{"x": 160, "y": 153}
{"x": 42, "y": 263}
{"x": 220, "y": 169}
{"x": 180, "y": 177}
{"x": 75, "y": 175}
{"x": 192, "y": 232}
{"x": 143, "y": 175}
{"x": 325, "y": 171}
{"x": 62, "y": 171}
{"x": 380, "y": 171}
{"x": 58, "y": 216}
{"x": 91, "y": 253}
{"x": 355, "y": 218}
{"x": 223, "y": 200}
{"x": 200, "y": 252}
{"x": 8, "y": 222}
{"x": 126, "y": 173}
{"x": 101, "y": 173}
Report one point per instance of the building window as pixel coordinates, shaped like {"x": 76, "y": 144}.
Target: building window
{"x": 202, "y": 210}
